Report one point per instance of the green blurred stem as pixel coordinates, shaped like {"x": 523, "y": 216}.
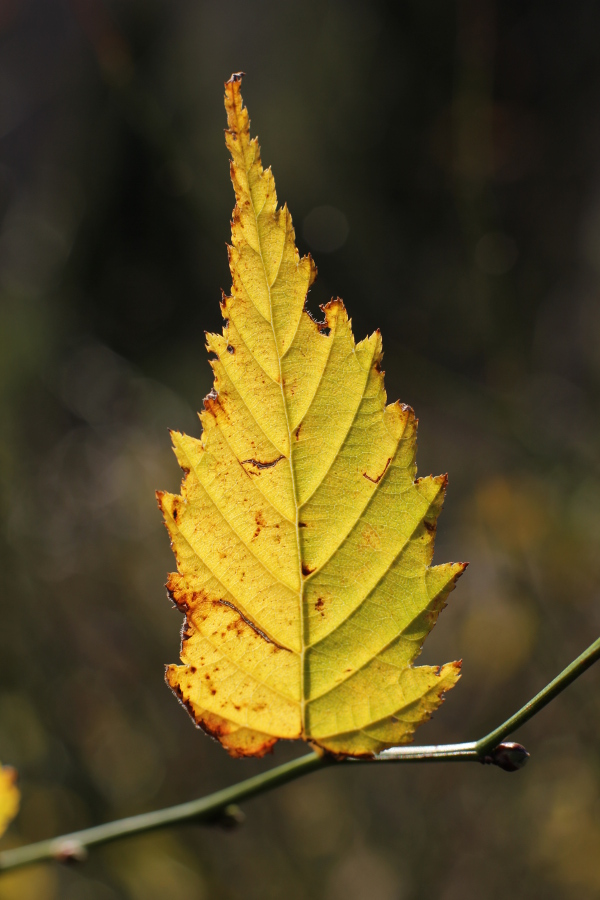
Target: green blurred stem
{"x": 552, "y": 690}
{"x": 219, "y": 808}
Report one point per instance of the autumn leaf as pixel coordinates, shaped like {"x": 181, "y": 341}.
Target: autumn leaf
{"x": 9, "y": 797}
{"x": 302, "y": 538}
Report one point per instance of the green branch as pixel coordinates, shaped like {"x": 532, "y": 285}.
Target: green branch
{"x": 220, "y": 806}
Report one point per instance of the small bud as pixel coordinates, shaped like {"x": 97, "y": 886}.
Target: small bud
{"x": 508, "y": 756}
{"x": 230, "y": 817}
{"x": 70, "y": 852}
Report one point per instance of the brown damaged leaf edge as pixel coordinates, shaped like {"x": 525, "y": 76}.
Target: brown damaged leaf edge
{"x": 220, "y": 729}
{"x": 300, "y": 517}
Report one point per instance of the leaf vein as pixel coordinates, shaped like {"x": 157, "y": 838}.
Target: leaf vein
{"x": 378, "y": 582}
{"x": 240, "y": 606}
{"x": 344, "y": 439}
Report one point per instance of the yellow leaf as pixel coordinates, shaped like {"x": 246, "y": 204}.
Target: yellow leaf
{"x": 302, "y": 539}
{"x": 9, "y": 797}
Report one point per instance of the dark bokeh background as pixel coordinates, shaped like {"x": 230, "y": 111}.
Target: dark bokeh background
{"x": 442, "y": 162}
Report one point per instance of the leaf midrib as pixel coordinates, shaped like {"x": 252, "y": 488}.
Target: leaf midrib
{"x": 303, "y": 626}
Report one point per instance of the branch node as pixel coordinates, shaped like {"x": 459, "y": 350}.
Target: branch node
{"x": 508, "y": 756}
{"x": 229, "y": 818}
{"x": 70, "y": 851}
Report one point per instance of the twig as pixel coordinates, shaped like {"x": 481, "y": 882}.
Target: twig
{"x": 214, "y": 808}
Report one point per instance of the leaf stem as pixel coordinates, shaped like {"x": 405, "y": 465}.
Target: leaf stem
{"x": 212, "y": 809}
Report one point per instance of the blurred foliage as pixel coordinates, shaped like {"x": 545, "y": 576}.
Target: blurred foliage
{"x": 9, "y": 797}
{"x": 441, "y": 160}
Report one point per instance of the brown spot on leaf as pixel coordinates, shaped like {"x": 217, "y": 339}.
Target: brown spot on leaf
{"x": 380, "y": 476}
{"x": 260, "y": 464}
{"x": 212, "y": 405}
{"x": 370, "y": 537}
{"x": 306, "y": 570}
{"x": 260, "y": 524}
{"x": 252, "y": 625}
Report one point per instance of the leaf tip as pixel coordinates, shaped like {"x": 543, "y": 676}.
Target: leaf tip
{"x": 235, "y": 77}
